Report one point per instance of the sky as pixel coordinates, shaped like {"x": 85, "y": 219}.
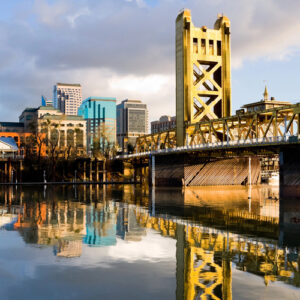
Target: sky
{"x": 126, "y": 49}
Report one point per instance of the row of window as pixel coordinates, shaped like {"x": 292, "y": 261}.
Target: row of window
{"x": 211, "y": 48}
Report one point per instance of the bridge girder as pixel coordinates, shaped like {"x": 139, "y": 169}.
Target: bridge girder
{"x": 242, "y": 129}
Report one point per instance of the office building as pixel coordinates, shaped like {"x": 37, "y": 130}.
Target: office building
{"x": 132, "y": 122}
{"x": 45, "y": 101}
{"x": 164, "y": 123}
{"x": 67, "y": 98}
{"x": 11, "y": 127}
{"x": 68, "y": 130}
{"x": 264, "y": 104}
{"x": 100, "y": 116}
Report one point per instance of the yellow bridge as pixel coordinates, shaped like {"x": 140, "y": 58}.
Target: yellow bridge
{"x": 203, "y": 98}
{"x": 205, "y": 255}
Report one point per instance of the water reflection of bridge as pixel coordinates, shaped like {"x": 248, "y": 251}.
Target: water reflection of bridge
{"x": 212, "y": 233}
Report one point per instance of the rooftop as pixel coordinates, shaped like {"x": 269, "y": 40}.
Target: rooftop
{"x": 132, "y": 101}
{"x": 9, "y": 141}
{"x": 11, "y": 124}
{"x": 30, "y": 109}
{"x": 46, "y": 108}
{"x": 274, "y": 102}
{"x": 100, "y": 99}
{"x": 68, "y": 84}
{"x": 266, "y": 100}
{"x": 63, "y": 117}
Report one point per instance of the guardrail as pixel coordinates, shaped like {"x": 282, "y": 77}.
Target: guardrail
{"x": 11, "y": 155}
{"x": 226, "y": 144}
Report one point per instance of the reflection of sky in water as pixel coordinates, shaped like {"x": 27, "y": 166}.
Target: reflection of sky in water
{"x": 124, "y": 270}
{"x": 67, "y": 250}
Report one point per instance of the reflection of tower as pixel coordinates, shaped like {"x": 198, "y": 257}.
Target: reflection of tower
{"x": 200, "y": 272}
{"x": 127, "y": 225}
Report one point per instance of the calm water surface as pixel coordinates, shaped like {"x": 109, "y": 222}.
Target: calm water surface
{"x": 126, "y": 242}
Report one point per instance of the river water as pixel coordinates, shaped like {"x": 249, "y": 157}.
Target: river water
{"x": 129, "y": 242}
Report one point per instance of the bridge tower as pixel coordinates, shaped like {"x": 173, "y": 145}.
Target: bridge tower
{"x": 203, "y": 88}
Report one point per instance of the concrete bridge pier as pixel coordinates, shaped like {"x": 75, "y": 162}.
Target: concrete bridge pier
{"x": 192, "y": 170}
{"x": 289, "y": 162}
{"x": 84, "y": 171}
{"x": 91, "y": 171}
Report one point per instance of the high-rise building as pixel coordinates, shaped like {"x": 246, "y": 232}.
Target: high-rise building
{"x": 164, "y": 123}
{"x": 100, "y": 115}
{"x": 132, "y": 122}
{"x": 67, "y": 97}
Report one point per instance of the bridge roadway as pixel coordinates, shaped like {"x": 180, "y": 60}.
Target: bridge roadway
{"x": 266, "y": 143}
{"x": 272, "y": 127}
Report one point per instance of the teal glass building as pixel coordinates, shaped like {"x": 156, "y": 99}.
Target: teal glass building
{"x": 100, "y": 115}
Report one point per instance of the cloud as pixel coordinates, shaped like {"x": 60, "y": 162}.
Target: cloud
{"x": 126, "y": 48}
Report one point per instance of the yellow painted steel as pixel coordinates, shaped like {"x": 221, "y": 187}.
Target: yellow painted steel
{"x": 203, "y": 87}
{"x": 269, "y": 125}
{"x": 208, "y": 254}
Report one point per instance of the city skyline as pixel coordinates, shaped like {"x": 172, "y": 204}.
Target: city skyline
{"x": 92, "y": 50}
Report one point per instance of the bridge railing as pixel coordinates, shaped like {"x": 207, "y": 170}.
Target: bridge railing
{"x": 227, "y": 144}
{"x": 272, "y": 125}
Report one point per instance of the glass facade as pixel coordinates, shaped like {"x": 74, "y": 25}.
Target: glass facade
{"x": 100, "y": 114}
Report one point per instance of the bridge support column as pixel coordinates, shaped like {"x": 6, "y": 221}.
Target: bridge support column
{"x": 84, "y": 171}
{"x": 97, "y": 171}
{"x": 104, "y": 171}
{"x": 91, "y": 170}
{"x": 152, "y": 170}
{"x": 5, "y": 173}
{"x": 289, "y": 161}
{"x": 21, "y": 171}
{"x": 9, "y": 172}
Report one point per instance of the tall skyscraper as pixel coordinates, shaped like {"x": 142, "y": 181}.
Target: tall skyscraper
{"x": 132, "y": 122}
{"x": 67, "y": 97}
{"x": 100, "y": 115}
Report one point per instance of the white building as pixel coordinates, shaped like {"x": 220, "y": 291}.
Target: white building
{"x": 67, "y": 98}
{"x": 68, "y": 130}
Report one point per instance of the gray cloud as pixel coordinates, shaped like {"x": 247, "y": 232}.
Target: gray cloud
{"x": 92, "y": 41}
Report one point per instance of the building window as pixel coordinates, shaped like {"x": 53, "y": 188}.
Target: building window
{"x": 219, "y": 48}
{"x": 211, "y": 47}
{"x": 195, "y": 45}
{"x": 203, "y": 48}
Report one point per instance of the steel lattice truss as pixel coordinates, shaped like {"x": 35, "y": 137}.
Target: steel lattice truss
{"x": 203, "y": 276}
{"x": 206, "y": 91}
{"x": 266, "y": 125}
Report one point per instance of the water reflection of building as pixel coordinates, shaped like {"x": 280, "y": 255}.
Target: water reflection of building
{"x": 8, "y": 217}
{"x": 215, "y": 228}
{"x": 101, "y": 226}
{"x": 57, "y": 224}
{"x": 68, "y": 248}
{"x": 127, "y": 226}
